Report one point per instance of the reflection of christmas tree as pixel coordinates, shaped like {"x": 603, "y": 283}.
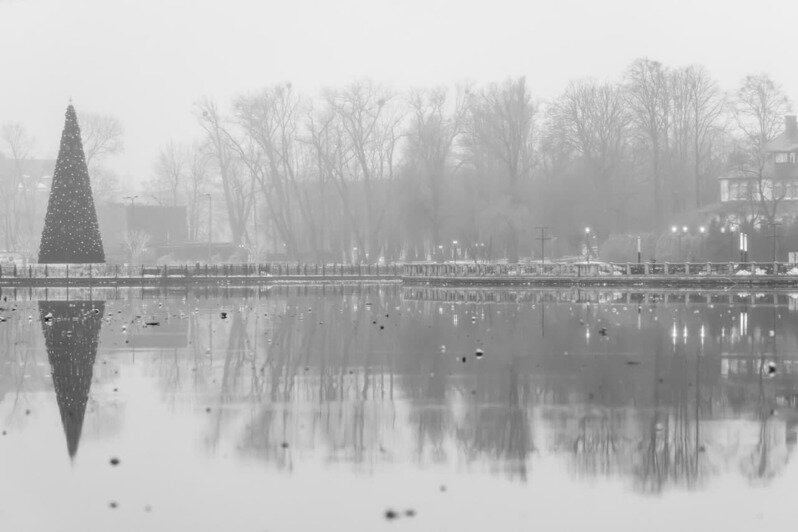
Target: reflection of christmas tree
{"x": 71, "y": 233}
{"x": 71, "y": 332}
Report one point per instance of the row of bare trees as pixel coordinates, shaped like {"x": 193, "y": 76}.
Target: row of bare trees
{"x": 363, "y": 172}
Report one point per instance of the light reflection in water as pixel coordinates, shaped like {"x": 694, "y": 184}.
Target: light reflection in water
{"x": 645, "y": 387}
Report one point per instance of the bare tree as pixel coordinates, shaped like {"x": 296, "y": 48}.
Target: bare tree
{"x": 707, "y": 104}
{"x": 274, "y": 157}
{"x": 237, "y": 190}
{"x": 16, "y": 215}
{"x": 501, "y": 135}
{"x": 431, "y": 138}
{"x": 590, "y": 120}
{"x": 196, "y": 183}
{"x": 102, "y": 137}
{"x": 170, "y": 169}
{"x": 136, "y": 243}
{"x": 648, "y": 98}
{"x": 361, "y": 123}
{"x": 758, "y": 108}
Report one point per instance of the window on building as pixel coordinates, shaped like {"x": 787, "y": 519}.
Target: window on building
{"x": 738, "y": 190}
{"x": 782, "y": 157}
{"x": 792, "y": 157}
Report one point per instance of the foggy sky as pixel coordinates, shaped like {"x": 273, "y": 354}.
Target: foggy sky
{"x": 147, "y": 61}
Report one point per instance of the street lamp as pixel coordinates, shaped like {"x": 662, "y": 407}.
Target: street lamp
{"x": 132, "y": 207}
{"x": 675, "y": 231}
{"x": 731, "y": 230}
{"x": 454, "y": 250}
{"x": 639, "y": 251}
{"x": 587, "y": 244}
{"x": 743, "y": 247}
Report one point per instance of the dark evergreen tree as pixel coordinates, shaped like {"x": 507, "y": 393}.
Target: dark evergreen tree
{"x": 71, "y": 233}
{"x": 71, "y": 335}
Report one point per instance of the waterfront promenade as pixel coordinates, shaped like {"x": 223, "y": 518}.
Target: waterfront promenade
{"x": 768, "y": 274}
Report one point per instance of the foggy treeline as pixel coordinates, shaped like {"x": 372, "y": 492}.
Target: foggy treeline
{"x": 363, "y": 172}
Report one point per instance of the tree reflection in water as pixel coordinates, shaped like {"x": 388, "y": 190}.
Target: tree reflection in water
{"x": 673, "y": 394}
{"x": 71, "y": 332}
{"x": 329, "y": 371}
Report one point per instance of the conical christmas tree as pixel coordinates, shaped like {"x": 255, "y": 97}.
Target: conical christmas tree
{"x": 71, "y": 334}
{"x": 71, "y": 233}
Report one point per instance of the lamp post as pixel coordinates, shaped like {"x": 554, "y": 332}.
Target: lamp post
{"x": 210, "y": 222}
{"x": 639, "y": 251}
{"x": 730, "y": 229}
{"x": 774, "y": 236}
{"x": 587, "y": 244}
{"x": 743, "y": 247}
{"x": 675, "y": 231}
{"x": 701, "y": 231}
{"x": 132, "y": 207}
{"x": 454, "y": 250}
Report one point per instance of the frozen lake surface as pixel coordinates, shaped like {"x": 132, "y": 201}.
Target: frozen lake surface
{"x": 389, "y": 407}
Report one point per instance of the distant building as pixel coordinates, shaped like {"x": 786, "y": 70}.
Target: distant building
{"x": 777, "y": 185}
{"x": 163, "y": 227}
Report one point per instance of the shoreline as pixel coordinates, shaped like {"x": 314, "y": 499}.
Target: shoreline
{"x": 619, "y": 281}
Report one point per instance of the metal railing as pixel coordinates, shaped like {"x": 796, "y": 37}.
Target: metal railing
{"x": 599, "y": 269}
{"x": 110, "y": 271}
{"x": 396, "y": 270}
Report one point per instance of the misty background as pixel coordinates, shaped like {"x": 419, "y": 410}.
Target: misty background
{"x": 388, "y": 130}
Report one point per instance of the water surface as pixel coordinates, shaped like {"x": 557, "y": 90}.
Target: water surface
{"x": 369, "y": 407}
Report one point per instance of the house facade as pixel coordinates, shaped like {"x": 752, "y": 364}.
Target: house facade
{"x": 775, "y": 188}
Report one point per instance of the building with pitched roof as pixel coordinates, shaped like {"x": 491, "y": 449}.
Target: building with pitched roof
{"x": 774, "y": 187}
